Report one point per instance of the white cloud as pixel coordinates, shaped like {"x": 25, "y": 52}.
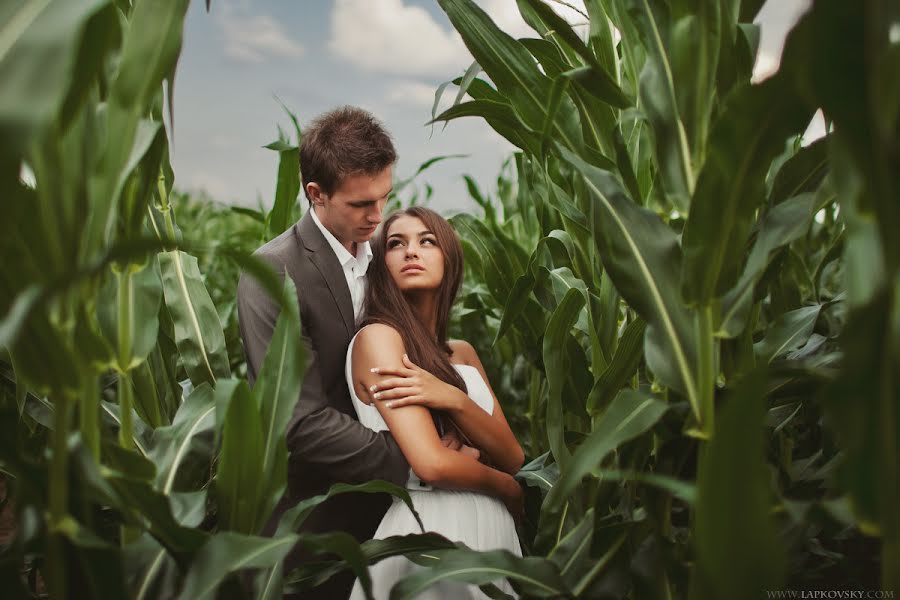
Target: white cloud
{"x": 505, "y": 13}
{"x": 391, "y": 36}
{"x": 388, "y": 36}
{"x": 411, "y": 93}
{"x": 253, "y": 38}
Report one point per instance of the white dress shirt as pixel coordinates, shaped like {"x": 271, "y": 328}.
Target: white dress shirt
{"x": 355, "y": 267}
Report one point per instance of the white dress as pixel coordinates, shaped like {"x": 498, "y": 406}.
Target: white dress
{"x": 479, "y": 521}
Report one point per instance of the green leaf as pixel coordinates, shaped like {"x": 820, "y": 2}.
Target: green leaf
{"x": 536, "y": 577}
{"x": 172, "y": 445}
{"x": 660, "y": 103}
{"x": 573, "y": 552}
{"x": 785, "y": 223}
{"x": 736, "y": 557}
{"x": 50, "y": 54}
{"x": 630, "y": 414}
{"x": 276, "y": 391}
{"x": 99, "y": 562}
{"x": 287, "y": 189}
{"x": 511, "y": 68}
{"x": 731, "y": 186}
{"x": 499, "y": 115}
{"x": 622, "y": 366}
{"x": 139, "y": 504}
{"x": 155, "y": 513}
{"x": 788, "y": 332}
{"x": 556, "y": 364}
{"x": 500, "y": 264}
{"x": 549, "y": 24}
{"x": 684, "y": 491}
{"x": 294, "y": 517}
{"x": 694, "y": 49}
{"x": 240, "y": 483}
{"x": 539, "y": 474}
{"x": 151, "y": 49}
{"x": 641, "y": 255}
{"x": 141, "y": 434}
{"x": 152, "y": 570}
{"x": 860, "y": 407}
{"x": 128, "y": 313}
{"x": 344, "y": 545}
{"x": 198, "y": 331}
{"x": 803, "y": 172}
{"x": 149, "y": 54}
{"x": 228, "y": 552}
{"x": 373, "y": 551}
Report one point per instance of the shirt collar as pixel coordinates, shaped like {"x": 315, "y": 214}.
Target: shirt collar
{"x": 363, "y": 251}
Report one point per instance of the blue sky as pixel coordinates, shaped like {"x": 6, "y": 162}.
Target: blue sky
{"x": 387, "y": 56}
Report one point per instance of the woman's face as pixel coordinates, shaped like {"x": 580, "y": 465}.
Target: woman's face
{"x": 412, "y": 255}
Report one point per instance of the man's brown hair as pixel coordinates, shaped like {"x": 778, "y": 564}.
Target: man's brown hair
{"x": 342, "y": 142}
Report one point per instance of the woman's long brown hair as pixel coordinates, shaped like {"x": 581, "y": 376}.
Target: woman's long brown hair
{"x": 386, "y": 304}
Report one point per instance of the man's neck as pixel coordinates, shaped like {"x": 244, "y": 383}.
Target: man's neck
{"x": 350, "y": 246}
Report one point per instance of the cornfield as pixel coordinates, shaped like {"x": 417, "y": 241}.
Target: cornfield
{"x": 691, "y": 317}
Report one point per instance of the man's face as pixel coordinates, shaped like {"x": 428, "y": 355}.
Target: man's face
{"x": 353, "y": 211}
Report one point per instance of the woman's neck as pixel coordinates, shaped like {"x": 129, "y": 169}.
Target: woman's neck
{"x": 424, "y": 304}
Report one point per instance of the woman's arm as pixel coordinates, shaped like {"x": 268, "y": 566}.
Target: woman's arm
{"x": 490, "y": 433}
{"x": 413, "y": 428}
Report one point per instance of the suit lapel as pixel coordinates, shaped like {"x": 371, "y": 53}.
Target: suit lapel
{"x": 323, "y": 257}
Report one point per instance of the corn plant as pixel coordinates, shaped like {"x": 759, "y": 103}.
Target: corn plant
{"x": 678, "y": 286}
{"x": 691, "y": 315}
{"x": 136, "y": 464}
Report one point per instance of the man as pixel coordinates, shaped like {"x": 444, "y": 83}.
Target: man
{"x": 346, "y": 163}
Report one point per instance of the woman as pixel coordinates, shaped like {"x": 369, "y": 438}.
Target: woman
{"x": 404, "y": 375}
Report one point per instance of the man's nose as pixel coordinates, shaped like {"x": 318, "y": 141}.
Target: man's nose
{"x": 375, "y": 216}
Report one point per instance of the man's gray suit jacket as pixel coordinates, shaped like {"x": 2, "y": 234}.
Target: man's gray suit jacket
{"x": 325, "y": 441}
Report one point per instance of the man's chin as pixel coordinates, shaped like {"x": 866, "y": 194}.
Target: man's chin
{"x": 364, "y": 235}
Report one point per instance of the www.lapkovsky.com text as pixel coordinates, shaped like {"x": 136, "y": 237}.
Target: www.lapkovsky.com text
{"x": 802, "y": 594}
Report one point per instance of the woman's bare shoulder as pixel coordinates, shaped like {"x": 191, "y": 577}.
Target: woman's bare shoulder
{"x": 378, "y": 341}
{"x": 377, "y": 332}
{"x": 463, "y": 352}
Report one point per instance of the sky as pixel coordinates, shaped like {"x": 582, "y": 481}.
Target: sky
{"x": 386, "y": 56}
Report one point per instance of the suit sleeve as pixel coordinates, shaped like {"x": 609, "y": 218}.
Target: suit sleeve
{"x": 318, "y": 433}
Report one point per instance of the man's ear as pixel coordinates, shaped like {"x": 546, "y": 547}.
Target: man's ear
{"x": 315, "y": 193}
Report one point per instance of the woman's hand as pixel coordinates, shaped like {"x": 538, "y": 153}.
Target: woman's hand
{"x": 414, "y": 385}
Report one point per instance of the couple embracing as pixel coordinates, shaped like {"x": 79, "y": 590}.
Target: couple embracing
{"x": 386, "y": 395}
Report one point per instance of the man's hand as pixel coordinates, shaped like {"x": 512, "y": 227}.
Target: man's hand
{"x": 452, "y": 440}
{"x": 411, "y": 384}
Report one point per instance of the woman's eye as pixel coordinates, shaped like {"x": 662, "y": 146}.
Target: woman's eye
{"x": 393, "y": 243}
{"x": 429, "y": 241}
